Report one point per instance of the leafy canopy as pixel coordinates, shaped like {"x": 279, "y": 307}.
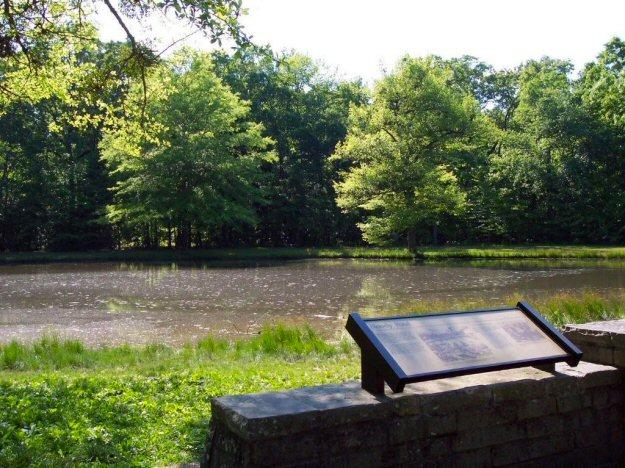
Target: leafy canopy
{"x": 403, "y": 148}
{"x": 42, "y": 43}
{"x": 305, "y": 111}
{"x": 194, "y": 162}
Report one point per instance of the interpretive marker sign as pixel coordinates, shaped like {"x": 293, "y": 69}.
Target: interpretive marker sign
{"x": 401, "y": 350}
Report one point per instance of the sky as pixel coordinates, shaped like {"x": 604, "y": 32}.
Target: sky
{"x": 362, "y": 38}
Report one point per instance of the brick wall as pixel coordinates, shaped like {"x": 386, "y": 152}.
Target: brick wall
{"x": 601, "y": 342}
{"x": 529, "y": 417}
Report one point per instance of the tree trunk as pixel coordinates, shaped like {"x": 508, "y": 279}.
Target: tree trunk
{"x": 435, "y": 234}
{"x": 147, "y": 241}
{"x": 411, "y": 238}
{"x": 5, "y": 203}
{"x": 184, "y": 237}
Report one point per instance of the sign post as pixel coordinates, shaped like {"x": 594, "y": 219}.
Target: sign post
{"x": 408, "y": 349}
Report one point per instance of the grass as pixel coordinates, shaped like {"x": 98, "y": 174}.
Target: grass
{"x": 67, "y": 404}
{"x": 559, "y": 309}
{"x": 135, "y": 417}
{"x": 563, "y": 309}
{"x": 50, "y": 353}
{"x": 283, "y": 253}
{"x": 523, "y": 252}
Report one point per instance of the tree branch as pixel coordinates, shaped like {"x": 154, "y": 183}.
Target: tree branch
{"x": 119, "y": 19}
{"x": 135, "y": 52}
{"x": 178, "y": 41}
{"x": 389, "y": 134}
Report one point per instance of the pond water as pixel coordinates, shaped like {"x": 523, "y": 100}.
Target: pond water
{"x": 112, "y": 303}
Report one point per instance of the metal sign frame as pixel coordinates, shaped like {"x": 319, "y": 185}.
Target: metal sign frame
{"x": 379, "y": 366}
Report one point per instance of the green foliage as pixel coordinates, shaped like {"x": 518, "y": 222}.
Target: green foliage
{"x": 143, "y": 405}
{"x": 53, "y": 187}
{"x": 404, "y": 147}
{"x": 530, "y": 251}
{"x": 600, "y": 97}
{"x": 13, "y": 355}
{"x": 559, "y": 309}
{"x": 590, "y": 307}
{"x": 486, "y": 252}
{"x": 42, "y": 46}
{"x": 210, "y": 345}
{"x": 287, "y": 340}
{"x": 252, "y": 149}
{"x": 189, "y": 162}
{"x": 52, "y": 353}
{"x": 151, "y": 405}
{"x": 529, "y": 169}
{"x": 602, "y": 86}
{"x": 304, "y": 111}
{"x": 132, "y": 417}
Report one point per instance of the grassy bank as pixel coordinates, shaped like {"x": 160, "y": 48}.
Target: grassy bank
{"x": 434, "y": 253}
{"x": 559, "y": 309}
{"x": 67, "y": 404}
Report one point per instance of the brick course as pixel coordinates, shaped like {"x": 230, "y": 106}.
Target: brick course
{"x": 523, "y": 417}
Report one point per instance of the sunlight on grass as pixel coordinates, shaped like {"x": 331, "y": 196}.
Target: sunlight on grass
{"x": 67, "y": 404}
{"x": 64, "y": 403}
{"x": 279, "y": 341}
{"x": 52, "y": 353}
{"x": 285, "y": 340}
{"x": 285, "y": 253}
{"x": 559, "y": 309}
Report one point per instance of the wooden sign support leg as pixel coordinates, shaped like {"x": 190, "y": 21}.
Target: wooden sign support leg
{"x": 371, "y": 380}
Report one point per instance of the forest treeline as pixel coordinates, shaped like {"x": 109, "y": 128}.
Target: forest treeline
{"x": 256, "y": 148}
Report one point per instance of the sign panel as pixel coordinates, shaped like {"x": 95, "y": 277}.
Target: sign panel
{"x": 401, "y": 350}
{"x": 436, "y": 343}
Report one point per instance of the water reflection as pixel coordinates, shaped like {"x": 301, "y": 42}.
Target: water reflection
{"x": 178, "y": 302}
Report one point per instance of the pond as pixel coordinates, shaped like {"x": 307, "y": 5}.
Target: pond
{"x": 112, "y": 303}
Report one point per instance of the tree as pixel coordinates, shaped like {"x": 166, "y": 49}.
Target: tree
{"x": 41, "y": 42}
{"x": 54, "y": 188}
{"x": 404, "y": 147}
{"x": 548, "y": 184}
{"x": 25, "y": 186}
{"x": 601, "y": 91}
{"x": 442, "y": 149}
{"x": 193, "y": 166}
{"x": 304, "y": 110}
